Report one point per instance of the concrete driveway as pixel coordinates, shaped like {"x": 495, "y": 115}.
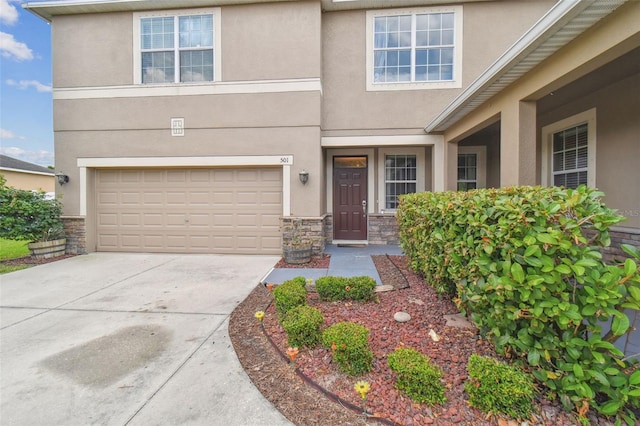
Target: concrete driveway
{"x": 128, "y": 339}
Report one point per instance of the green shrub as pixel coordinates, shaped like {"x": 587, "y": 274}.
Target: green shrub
{"x": 360, "y": 289}
{"x": 417, "y": 376}
{"x": 525, "y": 262}
{"x": 495, "y": 387}
{"x": 28, "y": 215}
{"x": 290, "y": 294}
{"x": 302, "y": 325}
{"x": 349, "y": 343}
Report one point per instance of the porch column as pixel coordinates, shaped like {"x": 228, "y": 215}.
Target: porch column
{"x": 518, "y": 160}
{"x": 444, "y": 166}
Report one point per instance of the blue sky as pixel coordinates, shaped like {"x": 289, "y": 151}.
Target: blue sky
{"x": 26, "y": 121}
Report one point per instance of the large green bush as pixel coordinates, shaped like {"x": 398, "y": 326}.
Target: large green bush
{"x": 525, "y": 262}
{"x": 417, "y": 376}
{"x": 28, "y": 215}
{"x": 496, "y": 387}
{"x": 349, "y": 344}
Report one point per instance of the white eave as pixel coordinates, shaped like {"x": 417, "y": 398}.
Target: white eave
{"x": 559, "y": 26}
{"x": 50, "y": 8}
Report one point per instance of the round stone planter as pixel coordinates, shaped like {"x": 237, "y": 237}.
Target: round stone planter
{"x": 47, "y": 249}
{"x": 297, "y": 254}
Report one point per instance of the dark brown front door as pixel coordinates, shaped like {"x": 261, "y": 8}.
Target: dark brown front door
{"x": 350, "y": 198}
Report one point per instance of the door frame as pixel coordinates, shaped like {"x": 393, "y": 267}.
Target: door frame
{"x": 366, "y": 152}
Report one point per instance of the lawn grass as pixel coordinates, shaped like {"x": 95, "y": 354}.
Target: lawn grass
{"x": 10, "y": 249}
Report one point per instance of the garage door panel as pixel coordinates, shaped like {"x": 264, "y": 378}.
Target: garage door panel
{"x": 181, "y": 210}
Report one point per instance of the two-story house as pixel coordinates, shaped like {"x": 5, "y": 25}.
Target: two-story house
{"x": 209, "y": 125}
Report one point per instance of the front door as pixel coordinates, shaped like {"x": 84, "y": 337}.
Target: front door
{"x": 350, "y": 198}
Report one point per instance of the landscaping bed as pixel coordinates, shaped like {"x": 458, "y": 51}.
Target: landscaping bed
{"x": 292, "y": 392}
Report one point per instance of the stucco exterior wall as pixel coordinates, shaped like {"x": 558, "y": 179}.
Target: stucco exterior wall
{"x": 347, "y": 104}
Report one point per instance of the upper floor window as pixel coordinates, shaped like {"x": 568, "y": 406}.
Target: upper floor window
{"x": 177, "y": 47}
{"x": 568, "y": 151}
{"x": 414, "y": 48}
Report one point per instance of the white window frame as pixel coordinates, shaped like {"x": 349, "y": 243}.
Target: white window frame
{"x": 137, "y": 51}
{"x": 457, "y": 53}
{"x": 420, "y": 172}
{"x": 481, "y": 163}
{"x": 587, "y": 117}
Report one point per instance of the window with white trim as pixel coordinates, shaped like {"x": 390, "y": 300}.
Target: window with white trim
{"x": 400, "y": 177}
{"x": 176, "y": 47}
{"x": 414, "y": 47}
{"x": 472, "y": 167}
{"x": 568, "y": 153}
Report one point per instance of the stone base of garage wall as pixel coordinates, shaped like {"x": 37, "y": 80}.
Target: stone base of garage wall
{"x": 76, "y": 231}
{"x": 620, "y": 236}
{"x": 311, "y": 229}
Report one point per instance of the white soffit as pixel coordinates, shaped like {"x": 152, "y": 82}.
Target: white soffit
{"x": 563, "y": 23}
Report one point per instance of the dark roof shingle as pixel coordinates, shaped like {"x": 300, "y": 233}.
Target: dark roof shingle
{"x": 14, "y": 163}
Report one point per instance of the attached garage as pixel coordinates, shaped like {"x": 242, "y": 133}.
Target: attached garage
{"x": 195, "y": 210}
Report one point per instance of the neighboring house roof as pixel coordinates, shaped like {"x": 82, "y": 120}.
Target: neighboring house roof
{"x": 563, "y": 23}
{"x": 15, "y": 165}
{"x": 47, "y": 9}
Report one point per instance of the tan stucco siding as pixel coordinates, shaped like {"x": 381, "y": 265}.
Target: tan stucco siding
{"x": 271, "y": 41}
{"x": 200, "y": 111}
{"x": 29, "y": 181}
{"x": 92, "y": 50}
{"x": 347, "y": 104}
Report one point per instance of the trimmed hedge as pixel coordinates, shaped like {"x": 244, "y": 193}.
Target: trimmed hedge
{"x": 417, "y": 376}
{"x": 302, "y": 325}
{"x": 525, "y": 262}
{"x": 496, "y": 387}
{"x": 361, "y": 289}
{"x": 290, "y": 294}
{"x": 349, "y": 344}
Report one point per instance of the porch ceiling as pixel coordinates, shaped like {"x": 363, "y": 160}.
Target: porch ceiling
{"x": 563, "y": 23}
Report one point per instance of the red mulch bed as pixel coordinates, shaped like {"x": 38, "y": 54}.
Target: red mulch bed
{"x": 321, "y": 262}
{"x": 299, "y": 401}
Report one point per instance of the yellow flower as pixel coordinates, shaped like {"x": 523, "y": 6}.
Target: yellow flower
{"x": 362, "y": 387}
{"x": 309, "y": 281}
{"x": 259, "y": 315}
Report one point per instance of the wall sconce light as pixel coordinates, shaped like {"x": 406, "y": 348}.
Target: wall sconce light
{"x": 304, "y": 177}
{"x": 62, "y": 178}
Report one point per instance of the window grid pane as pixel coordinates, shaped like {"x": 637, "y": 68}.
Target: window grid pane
{"x": 467, "y": 172}
{"x": 570, "y": 157}
{"x": 191, "y": 60}
{"x": 401, "y": 175}
{"x": 413, "y": 48}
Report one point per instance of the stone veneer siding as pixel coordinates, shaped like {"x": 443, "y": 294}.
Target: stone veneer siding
{"x": 305, "y": 229}
{"x": 620, "y": 236}
{"x": 383, "y": 229}
{"x": 75, "y": 230}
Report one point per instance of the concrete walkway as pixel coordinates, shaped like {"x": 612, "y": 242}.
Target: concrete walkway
{"x": 128, "y": 339}
{"x": 346, "y": 261}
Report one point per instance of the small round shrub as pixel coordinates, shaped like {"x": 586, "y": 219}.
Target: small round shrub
{"x": 361, "y": 289}
{"x": 496, "y": 387}
{"x": 331, "y": 288}
{"x": 302, "y": 325}
{"x": 349, "y": 343}
{"x": 290, "y": 294}
{"x": 417, "y": 376}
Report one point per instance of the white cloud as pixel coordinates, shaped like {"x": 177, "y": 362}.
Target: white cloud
{"x": 8, "y": 12}
{"x": 40, "y": 157}
{"x": 25, "y": 84}
{"x": 7, "y": 134}
{"x": 13, "y": 49}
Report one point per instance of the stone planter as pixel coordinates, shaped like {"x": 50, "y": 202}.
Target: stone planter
{"x": 47, "y": 249}
{"x": 297, "y": 254}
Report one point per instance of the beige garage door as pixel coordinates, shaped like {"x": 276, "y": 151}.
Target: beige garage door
{"x": 217, "y": 210}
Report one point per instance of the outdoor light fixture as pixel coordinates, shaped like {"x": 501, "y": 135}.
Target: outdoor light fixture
{"x": 304, "y": 176}
{"x": 62, "y": 178}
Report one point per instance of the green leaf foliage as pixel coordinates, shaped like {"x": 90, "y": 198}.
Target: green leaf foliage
{"x": 349, "y": 344}
{"x": 28, "y": 215}
{"x": 496, "y": 387}
{"x": 302, "y": 325}
{"x": 361, "y": 289}
{"x": 525, "y": 263}
{"x": 417, "y": 376}
{"x": 290, "y": 294}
